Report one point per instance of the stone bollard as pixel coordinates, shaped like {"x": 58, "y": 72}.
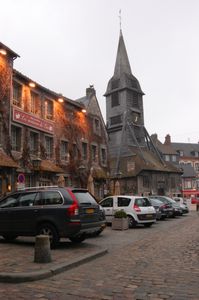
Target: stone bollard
{"x": 42, "y": 249}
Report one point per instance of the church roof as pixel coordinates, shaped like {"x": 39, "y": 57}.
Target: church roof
{"x": 123, "y": 77}
{"x": 122, "y": 64}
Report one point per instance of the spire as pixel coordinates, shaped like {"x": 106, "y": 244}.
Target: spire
{"x": 122, "y": 64}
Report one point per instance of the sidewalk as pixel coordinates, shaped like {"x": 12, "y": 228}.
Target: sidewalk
{"x": 17, "y": 259}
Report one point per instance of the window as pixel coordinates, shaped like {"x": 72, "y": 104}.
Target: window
{"x": 64, "y": 155}
{"x": 17, "y": 94}
{"x": 103, "y": 156}
{"x": 107, "y": 202}
{"x": 75, "y": 151}
{"x": 123, "y": 201}
{"x": 49, "y": 109}
{"x": 141, "y": 202}
{"x": 173, "y": 182}
{"x": 16, "y": 138}
{"x": 174, "y": 158}
{"x": 84, "y": 151}
{"x": 27, "y": 199}
{"x": 1, "y": 130}
{"x": 146, "y": 181}
{"x": 34, "y": 142}
{"x": 94, "y": 152}
{"x": 197, "y": 167}
{"x": 10, "y": 201}
{"x": 116, "y": 120}
{"x": 115, "y": 99}
{"x": 167, "y": 157}
{"x": 97, "y": 126}
{"x": 49, "y": 146}
{"x": 135, "y": 100}
{"x": 34, "y": 103}
{"x": 181, "y": 153}
{"x": 187, "y": 184}
{"x": 52, "y": 198}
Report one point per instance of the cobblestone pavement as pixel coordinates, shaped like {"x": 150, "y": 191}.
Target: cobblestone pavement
{"x": 161, "y": 262}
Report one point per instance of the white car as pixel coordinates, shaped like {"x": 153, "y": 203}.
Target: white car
{"x": 138, "y": 209}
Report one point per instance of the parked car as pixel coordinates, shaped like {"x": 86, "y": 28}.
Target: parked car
{"x": 182, "y": 204}
{"x": 176, "y": 210}
{"x": 138, "y": 209}
{"x": 162, "y": 210}
{"x": 58, "y": 212}
{"x": 168, "y": 208}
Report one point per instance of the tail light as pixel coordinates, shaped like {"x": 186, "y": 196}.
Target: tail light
{"x": 164, "y": 206}
{"x": 73, "y": 210}
{"x": 136, "y": 207}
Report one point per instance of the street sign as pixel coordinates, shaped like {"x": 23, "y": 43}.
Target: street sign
{"x": 21, "y": 178}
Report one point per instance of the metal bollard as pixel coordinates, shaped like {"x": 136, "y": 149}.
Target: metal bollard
{"x": 42, "y": 249}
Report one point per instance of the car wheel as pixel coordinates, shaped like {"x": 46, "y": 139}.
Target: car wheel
{"x": 9, "y": 237}
{"x": 131, "y": 222}
{"x": 50, "y": 230}
{"x": 148, "y": 224}
{"x": 77, "y": 239}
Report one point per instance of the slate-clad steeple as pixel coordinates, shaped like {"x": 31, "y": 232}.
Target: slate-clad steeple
{"x": 122, "y": 64}
{"x": 124, "y": 106}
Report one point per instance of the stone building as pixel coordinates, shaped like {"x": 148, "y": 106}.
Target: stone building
{"x": 134, "y": 159}
{"x": 46, "y": 138}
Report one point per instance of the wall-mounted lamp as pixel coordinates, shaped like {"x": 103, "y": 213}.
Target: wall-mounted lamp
{"x": 3, "y": 52}
{"x": 60, "y": 100}
{"x": 84, "y": 110}
{"x": 32, "y": 84}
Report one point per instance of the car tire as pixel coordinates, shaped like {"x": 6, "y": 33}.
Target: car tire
{"x": 131, "y": 222}
{"x": 9, "y": 237}
{"x": 50, "y": 230}
{"x": 77, "y": 239}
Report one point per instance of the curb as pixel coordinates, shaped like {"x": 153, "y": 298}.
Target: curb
{"x": 53, "y": 270}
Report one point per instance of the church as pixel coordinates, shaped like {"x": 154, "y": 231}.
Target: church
{"x": 136, "y": 165}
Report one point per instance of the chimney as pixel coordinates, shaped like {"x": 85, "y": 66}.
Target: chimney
{"x": 167, "y": 140}
{"x": 90, "y": 91}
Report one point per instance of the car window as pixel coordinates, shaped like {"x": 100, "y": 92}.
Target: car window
{"x": 84, "y": 197}
{"x": 122, "y": 201}
{"x": 141, "y": 202}
{"x": 108, "y": 202}
{"x": 52, "y": 198}
{"x": 10, "y": 201}
{"x": 27, "y": 199}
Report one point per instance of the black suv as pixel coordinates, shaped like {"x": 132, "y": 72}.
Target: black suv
{"x": 58, "y": 212}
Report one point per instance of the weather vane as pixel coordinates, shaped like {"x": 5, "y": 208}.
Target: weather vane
{"x": 120, "y": 17}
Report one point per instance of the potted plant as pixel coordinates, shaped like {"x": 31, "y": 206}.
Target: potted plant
{"x": 120, "y": 220}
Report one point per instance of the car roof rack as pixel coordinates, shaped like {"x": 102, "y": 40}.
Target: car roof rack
{"x": 38, "y": 187}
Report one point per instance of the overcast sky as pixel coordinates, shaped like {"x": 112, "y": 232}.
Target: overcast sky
{"x": 66, "y": 45}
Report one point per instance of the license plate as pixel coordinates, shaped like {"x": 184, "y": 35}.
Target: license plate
{"x": 90, "y": 210}
{"x": 149, "y": 216}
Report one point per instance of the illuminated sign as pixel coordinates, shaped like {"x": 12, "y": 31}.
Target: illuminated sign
{"x": 32, "y": 121}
